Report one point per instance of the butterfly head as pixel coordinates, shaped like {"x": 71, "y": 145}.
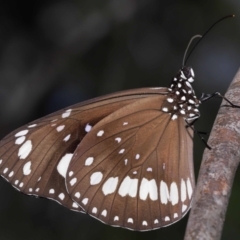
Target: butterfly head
{"x": 187, "y": 73}
{"x": 181, "y": 99}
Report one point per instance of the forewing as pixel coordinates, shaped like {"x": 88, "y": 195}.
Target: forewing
{"x": 134, "y": 169}
{"x": 35, "y": 157}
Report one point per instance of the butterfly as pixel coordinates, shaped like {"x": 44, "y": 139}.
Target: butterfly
{"x": 125, "y": 158}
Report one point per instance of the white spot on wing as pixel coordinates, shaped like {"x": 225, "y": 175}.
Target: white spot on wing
{"x": 175, "y": 215}
{"x": 125, "y": 123}
{"x": 96, "y": 178}
{"x": 88, "y": 127}
{"x": 94, "y": 210}
{"x": 73, "y": 181}
{"x": 25, "y": 149}
{"x": 67, "y": 113}
{"x": 100, "y": 133}
{"x": 121, "y": 151}
{"x": 118, "y": 139}
{"x": 104, "y": 213}
{"x": 70, "y": 173}
{"x": 174, "y": 193}
{"x": 21, "y": 133}
{"x": 61, "y": 196}
{"x": 110, "y": 185}
{"x": 165, "y": 109}
{"x": 63, "y": 164}
{"x": 149, "y": 169}
{"x": 85, "y": 201}
{"x": 128, "y": 187}
{"x": 21, "y": 184}
{"x": 125, "y": 161}
{"x": 130, "y": 220}
{"x": 156, "y": 221}
{"x": 167, "y": 219}
{"x": 137, "y": 156}
{"x": 11, "y": 174}
{"x": 20, "y": 140}
{"x": 77, "y": 195}
{"x": 116, "y": 218}
{"x": 60, "y": 128}
{"x": 183, "y": 191}
{"x": 27, "y": 168}
{"x": 67, "y": 138}
{"x": 89, "y": 161}
{"x": 33, "y": 125}
{"x": 148, "y": 187}
{"x": 184, "y": 208}
{"x": 51, "y": 191}
{"x": 144, "y": 223}
{"x": 164, "y": 193}
{"x": 74, "y": 205}
{"x": 5, "y": 170}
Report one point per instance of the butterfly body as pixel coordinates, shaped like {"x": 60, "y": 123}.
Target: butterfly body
{"x": 124, "y": 158}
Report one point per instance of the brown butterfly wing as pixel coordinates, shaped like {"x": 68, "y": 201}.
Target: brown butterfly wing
{"x": 35, "y": 157}
{"x": 134, "y": 169}
{"x": 29, "y": 162}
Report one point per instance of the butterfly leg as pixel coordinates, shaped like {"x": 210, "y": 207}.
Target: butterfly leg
{"x": 192, "y": 123}
{"x": 205, "y": 97}
{"x": 198, "y": 133}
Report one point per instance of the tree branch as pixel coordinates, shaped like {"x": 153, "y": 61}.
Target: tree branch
{"x": 217, "y": 171}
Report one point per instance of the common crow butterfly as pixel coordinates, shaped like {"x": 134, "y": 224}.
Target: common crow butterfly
{"x": 125, "y": 158}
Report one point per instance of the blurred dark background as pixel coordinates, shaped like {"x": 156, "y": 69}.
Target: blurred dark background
{"x": 56, "y": 53}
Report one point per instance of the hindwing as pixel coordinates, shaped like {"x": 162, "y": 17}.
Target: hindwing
{"x": 134, "y": 169}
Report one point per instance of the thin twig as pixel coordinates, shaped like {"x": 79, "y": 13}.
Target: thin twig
{"x": 217, "y": 171}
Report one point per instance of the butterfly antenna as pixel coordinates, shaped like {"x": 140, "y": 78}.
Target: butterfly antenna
{"x": 190, "y": 42}
{"x": 221, "y": 19}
